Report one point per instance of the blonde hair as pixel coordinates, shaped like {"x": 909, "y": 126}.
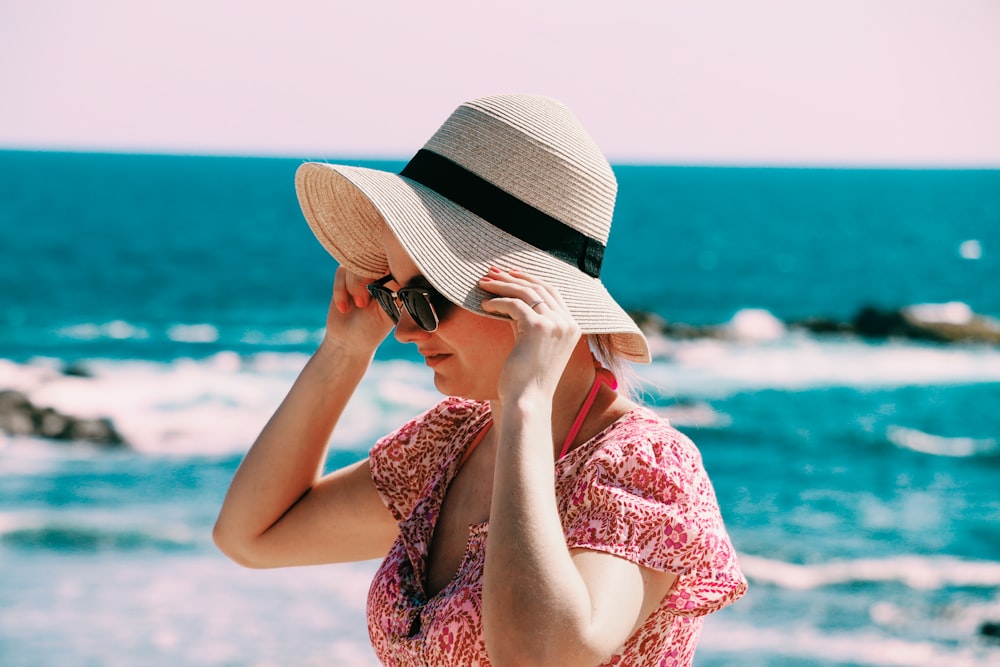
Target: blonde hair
{"x": 604, "y": 348}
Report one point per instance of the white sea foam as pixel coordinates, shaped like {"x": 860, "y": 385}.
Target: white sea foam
{"x": 716, "y": 368}
{"x": 193, "y": 333}
{"x": 282, "y": 337}
{"x": 755, "y": 324}
{"x": 952, "y": 621}
{"x": 927, "y": 443}
{"x": 953, "y": 312}
{"x": 114, "y": 330}
{"x": 694, "y": 415}
{"x": 917, "y": 572}
{"x": 181, "y": 332}
{"x": 199, "y": 610}
{"x": 28, "y": 377}
{"x": 970, "y": 249}
{"x": 810, "y": 645}
{"x": 218, "y": 404}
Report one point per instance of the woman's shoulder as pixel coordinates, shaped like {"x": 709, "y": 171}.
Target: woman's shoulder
{"x": 640, "y": 454}
{"x": 403, "y": 462}
{"x": 643, "y": 433}
{"x": 450, "y": 415}
{"x": 439, "y": 422}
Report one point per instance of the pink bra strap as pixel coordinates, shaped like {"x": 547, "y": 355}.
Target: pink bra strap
{"x": 604, "y": 376}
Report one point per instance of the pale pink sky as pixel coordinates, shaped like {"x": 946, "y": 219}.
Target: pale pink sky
{"x": 863, "y": 82}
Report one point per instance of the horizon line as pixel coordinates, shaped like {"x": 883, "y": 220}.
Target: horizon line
{"x": 733, "y": 163}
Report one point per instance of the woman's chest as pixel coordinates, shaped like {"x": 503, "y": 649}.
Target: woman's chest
{"x": 465, "y": 504}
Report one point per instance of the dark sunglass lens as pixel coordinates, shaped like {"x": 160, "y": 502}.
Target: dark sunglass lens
{"x": 419, "y": 307}
{"x": 384, "y": 298}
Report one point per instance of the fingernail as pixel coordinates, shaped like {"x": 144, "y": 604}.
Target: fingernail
{"x": 341, "y": 306}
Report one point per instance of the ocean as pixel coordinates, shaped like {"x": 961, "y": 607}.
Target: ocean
{"x": 179, "y": 296}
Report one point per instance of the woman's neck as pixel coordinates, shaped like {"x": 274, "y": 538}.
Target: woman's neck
{"x": 574, "y": 386}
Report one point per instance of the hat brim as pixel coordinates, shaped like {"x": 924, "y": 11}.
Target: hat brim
{"x": 453, "y": 248}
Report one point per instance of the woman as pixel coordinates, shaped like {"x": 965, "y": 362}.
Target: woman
{"x": 605, "y": 541}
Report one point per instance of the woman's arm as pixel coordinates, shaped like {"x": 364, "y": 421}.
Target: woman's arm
{"x": 279, "y": 510}
{"x": 543, "y": 603}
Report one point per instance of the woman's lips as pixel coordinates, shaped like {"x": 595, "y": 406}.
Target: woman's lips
{"x": 433, "y": 360}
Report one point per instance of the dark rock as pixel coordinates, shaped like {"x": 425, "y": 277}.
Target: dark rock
{"x": 15, "y": 413}
{"x": 13, "y": 400}
{"x": 77, "y": 370}
{"x": 648, "y": 322}
{"x": 51, "y": 424}
{"x": 990, "y": 630}
{"x": 100, "y": 430}
{"x": 19, "y": 416}
{"x": 822, "y": 325}
{"x": 978, "y": 329}
{"x": 653, "y": 324}
{"x": 906, "y": 323}
{"x": 874, "y": 323}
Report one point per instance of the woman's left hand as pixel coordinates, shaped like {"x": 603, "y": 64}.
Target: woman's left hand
{"x": 544, "y": 329}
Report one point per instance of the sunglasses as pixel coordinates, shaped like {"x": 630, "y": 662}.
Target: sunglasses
{"x": 421, "y": 303}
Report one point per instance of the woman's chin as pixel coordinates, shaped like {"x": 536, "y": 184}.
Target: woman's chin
{"x": 451, "y": 386}
{"x": 445, "y": 385}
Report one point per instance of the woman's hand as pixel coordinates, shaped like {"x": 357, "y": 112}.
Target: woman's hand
{"x": 353, "y": 320}
{"x": 545, "y": 332}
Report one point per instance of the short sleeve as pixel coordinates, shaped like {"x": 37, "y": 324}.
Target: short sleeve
{"x": 641, "y": 493}
{"x": 405, "y": 461}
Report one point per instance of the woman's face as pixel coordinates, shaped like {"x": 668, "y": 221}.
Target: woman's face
{"x": 466, "y": 352}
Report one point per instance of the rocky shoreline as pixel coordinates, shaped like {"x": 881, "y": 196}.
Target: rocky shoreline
{"x": 936, "y": 323}
{"x": 20, "y": 417}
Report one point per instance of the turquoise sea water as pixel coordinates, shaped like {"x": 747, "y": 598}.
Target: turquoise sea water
{"x": 857, "y": 477}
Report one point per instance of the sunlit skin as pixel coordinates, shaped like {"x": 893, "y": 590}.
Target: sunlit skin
{"x": 542, "y": 602}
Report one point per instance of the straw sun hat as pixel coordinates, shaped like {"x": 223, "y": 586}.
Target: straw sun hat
{"x": 512, "y": 181}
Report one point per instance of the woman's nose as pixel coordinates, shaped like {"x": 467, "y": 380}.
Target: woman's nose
{"x": 407, "y": 330}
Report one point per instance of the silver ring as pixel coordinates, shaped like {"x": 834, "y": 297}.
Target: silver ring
{"x": 532, "y": 306}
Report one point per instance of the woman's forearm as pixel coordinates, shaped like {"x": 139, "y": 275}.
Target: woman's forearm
{"x": 536, "y": 605}
{"x": 288, "y": 456}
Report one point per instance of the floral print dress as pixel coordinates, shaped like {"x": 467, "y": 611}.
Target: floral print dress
{"x": 636, "y": 490}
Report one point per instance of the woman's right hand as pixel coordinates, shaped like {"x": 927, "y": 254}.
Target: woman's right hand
{"x": 354, "y": 320}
